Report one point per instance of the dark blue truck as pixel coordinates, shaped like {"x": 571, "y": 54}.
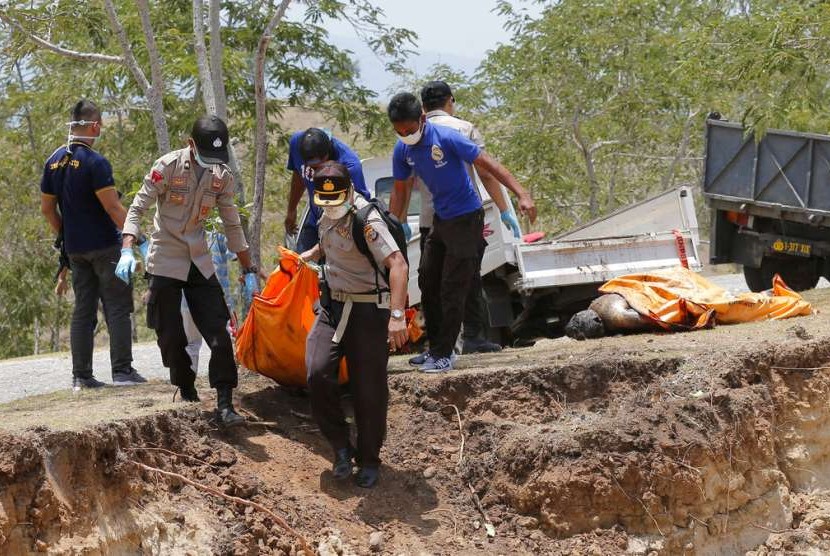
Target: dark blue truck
{"x": 770, "y": 201}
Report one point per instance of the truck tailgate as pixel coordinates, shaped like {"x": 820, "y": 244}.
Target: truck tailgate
{"x": 566, "y": 263}
{"x": 786, "y": 174}
{"x": 638, "y": 238}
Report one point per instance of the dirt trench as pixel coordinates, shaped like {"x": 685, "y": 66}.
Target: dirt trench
{"x": 634, "y": 444}
{"x": 708, "y": 443}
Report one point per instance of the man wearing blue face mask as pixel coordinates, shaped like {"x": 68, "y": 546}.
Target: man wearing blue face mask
{"x": 186, "y": 185}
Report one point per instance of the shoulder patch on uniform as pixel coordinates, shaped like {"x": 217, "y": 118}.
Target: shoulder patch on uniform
{"x": 156, "y": 176}
{"x": 370, "y": 233}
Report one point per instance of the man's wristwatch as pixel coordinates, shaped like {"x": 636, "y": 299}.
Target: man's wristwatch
{"x": 250, "y": 270}
{"x": 397, "y": 314}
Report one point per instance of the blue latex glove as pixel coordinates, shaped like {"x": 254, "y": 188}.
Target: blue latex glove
{"x": 407, "y": 231}
{"x": 511, "y": 222}
{"x": 143, "y": 249}
{"x": 126, "y": 265}
{"x": 251, "y": 286}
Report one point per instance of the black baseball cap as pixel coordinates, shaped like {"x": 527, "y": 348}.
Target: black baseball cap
{"x": 211, "y": 137}
{"x": 435, "y": 93}
{"x": 315, "y": 146}
{"x": 331, "y": 184}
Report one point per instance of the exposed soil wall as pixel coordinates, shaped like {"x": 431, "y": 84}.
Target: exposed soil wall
{"x": 707, "y": 443}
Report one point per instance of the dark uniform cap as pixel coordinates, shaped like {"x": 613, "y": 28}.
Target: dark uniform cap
{"x": 211, "y": 137}
{"x": 331, "y": 184}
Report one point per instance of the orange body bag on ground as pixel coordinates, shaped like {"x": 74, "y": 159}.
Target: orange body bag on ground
{"x": 679, "y": 299}
{"x": 272, "y": 339}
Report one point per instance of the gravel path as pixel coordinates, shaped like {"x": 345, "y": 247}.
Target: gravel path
{"x": 42, "y": 374}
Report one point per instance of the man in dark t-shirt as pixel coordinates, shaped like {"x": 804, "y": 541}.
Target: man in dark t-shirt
{"x": 79, "y": 200}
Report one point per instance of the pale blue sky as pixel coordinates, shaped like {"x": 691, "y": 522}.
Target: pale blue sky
{"x": 455, "y": 32}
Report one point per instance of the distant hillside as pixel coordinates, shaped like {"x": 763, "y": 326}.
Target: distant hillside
{"x": 374, "y": 75}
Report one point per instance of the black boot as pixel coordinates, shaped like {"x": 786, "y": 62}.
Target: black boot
{"x": 367, "y": 477}
{"x": 342, "y": 467}
{"x": 189, "y": 393}
{"x": 224, "y": 401}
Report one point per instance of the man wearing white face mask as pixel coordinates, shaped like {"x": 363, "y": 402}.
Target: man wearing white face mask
{"x": 81, "y": 204}
{"x": 450, "y": 261}
{"x": 361, "y": 315}
{"x": 186, "y": 185}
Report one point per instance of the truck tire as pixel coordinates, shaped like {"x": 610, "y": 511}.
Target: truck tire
{"x": 799, "y": 274}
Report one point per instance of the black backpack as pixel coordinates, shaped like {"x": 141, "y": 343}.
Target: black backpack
{"x": 361, "y": 216}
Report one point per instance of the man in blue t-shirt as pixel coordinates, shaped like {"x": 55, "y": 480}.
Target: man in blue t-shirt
{"x": 450, "y": 260}
{"x": 79, "y": 200}
{"x": 306, "y": 151}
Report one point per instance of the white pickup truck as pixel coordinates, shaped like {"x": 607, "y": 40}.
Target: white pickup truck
{"x": 532, "y": 289}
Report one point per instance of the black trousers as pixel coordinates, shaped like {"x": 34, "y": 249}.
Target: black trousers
{"x": 93, "y": 278}
{"x": 210, "y": 313}
{"x": 450, "y": 266}
{"x": 476, "y": 320}
{"x": 365, "y": 348}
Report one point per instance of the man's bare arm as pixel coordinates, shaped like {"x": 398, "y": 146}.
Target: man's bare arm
{"x": 399, "y": 198}
{"x": 488, "y": 164}
{"x": 49, "y": 209}
{"x": 112, "y": 204}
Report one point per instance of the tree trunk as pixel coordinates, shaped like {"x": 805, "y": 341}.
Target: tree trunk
{"x": 668, "y": 178}
{"x": 588, "y": 157}
{"x": 155, "y": 94}
{"x": 153, "y": 100}
{"x": 212, "y": 79}
{"x": 611, "y": 202}
{"x": 216, "y": 59}
{"x": 37, "y": 335}
{"x": 201, "y": 58}
{"x": 261, "y": 136}
{"x": 55, "y": 332}
{"x": 26, "y": 114}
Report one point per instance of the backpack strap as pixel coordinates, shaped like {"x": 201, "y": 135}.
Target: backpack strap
{"x": 358, "y": 226}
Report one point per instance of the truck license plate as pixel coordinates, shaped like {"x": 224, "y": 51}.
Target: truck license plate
{"x": 787, "y": 247}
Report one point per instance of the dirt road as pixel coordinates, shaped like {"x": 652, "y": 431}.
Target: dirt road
{"x": 40, "y": 375}
{"x": 711, "y": 442}
{"x": 29, "y": 376}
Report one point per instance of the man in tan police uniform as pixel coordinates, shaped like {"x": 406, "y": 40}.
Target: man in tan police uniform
{"x": 361, "y": 315}
{"x": 186, "y": 185}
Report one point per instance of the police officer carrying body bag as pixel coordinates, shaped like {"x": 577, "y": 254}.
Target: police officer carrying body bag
{"x": 360, "y": 317}
{"x": 185, "y": 186}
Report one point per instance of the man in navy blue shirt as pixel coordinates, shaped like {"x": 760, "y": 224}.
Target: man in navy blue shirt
{"x": 78, "y": 182}
{"x": 450, "y": 260}
{"x": 307, "y": 150}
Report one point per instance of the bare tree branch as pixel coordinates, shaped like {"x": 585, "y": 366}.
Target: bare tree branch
{"x": 599, "y": 144}
{"x": 155, "y": 93}
{"x": 156, "y": 106}
{"x": 26, "y": 113}
{"x": 261, "y": 137}
{"x": 212, "y": 78}
{"x": 216, "y": 57}
{"x": 668, "y": 178}
{"x": 208, "y": 90}
{"x": 73, "y": 54}
{"x": 588, "y": 157}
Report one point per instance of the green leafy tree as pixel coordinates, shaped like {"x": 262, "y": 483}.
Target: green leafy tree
{"x": 138, "y": 60}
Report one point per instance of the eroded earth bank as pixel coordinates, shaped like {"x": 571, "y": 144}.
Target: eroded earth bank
{"x": 712, "y": 442}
